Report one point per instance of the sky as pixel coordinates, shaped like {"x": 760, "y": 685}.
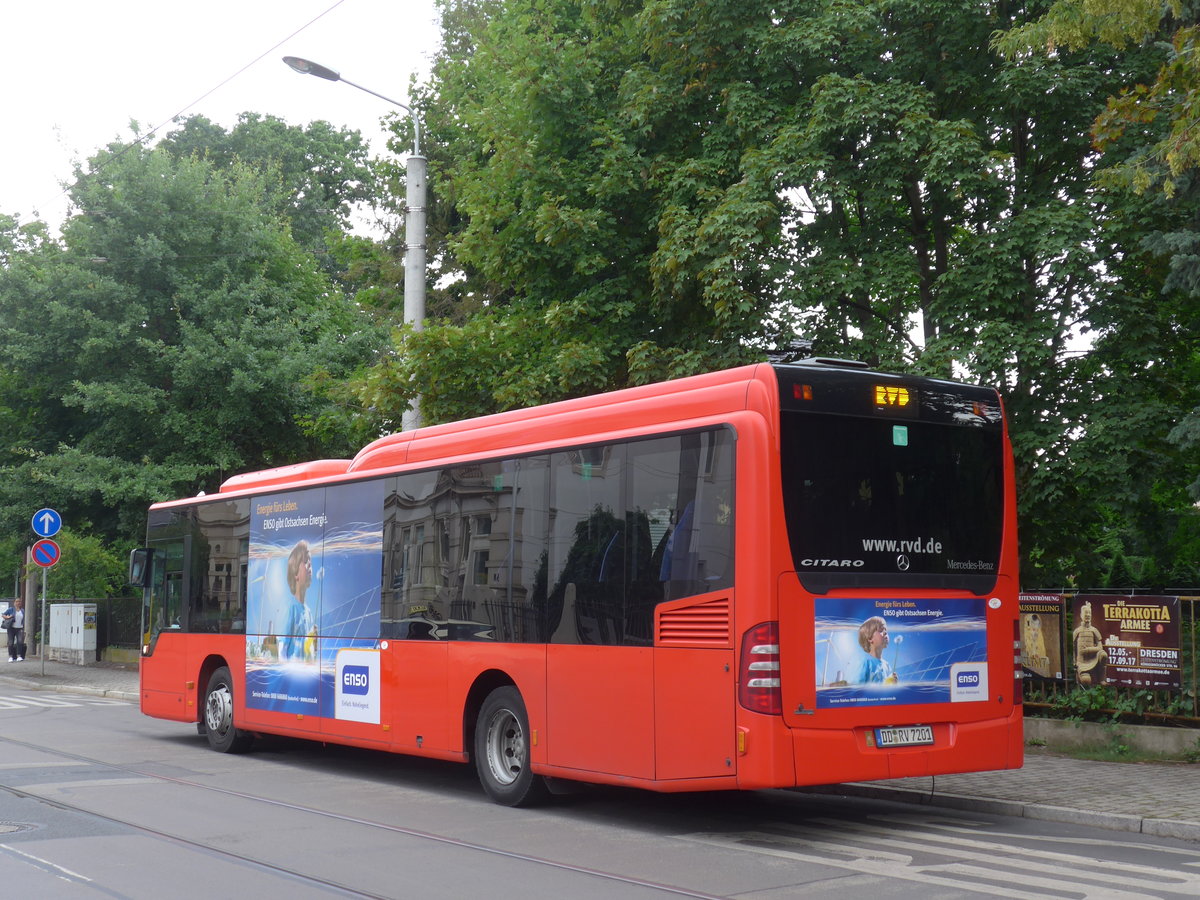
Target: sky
{"x": 79, "y": 71}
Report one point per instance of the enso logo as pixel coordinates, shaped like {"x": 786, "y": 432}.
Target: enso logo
{"x": 356, "y": 680}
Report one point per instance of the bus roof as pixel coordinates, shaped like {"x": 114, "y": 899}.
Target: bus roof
{"x": 598, "y": 416}
{"x": 534, "y": 428}
{"x": 613, "y": 415}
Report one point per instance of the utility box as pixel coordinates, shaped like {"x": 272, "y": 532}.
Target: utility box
{"x": 72, "y": 633}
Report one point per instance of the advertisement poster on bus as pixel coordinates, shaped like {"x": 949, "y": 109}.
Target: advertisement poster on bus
{"x": 1126, "y": 641}
{"x": 887, "y": 652}
{"x": 313, "y": 601}
{"x": 1042, "y": 618}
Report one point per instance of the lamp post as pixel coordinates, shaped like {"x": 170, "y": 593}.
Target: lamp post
{"x": 414, "y": 218}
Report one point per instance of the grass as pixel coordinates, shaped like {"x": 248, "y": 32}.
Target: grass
{"x": 1113, "y": 751}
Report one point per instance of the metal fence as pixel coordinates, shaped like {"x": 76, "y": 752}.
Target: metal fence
{"x": 118, "y": 622}
{"x": 1064, "y": 698}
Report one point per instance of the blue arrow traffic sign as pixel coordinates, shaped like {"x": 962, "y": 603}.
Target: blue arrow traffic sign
{"x": 46, "y": 553}
{"x": 46, "y": 523}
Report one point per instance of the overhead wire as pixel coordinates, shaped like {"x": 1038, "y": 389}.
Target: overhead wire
{"x": 141, "y": 139}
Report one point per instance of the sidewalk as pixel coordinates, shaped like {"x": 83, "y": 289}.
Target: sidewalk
{"x": 100, "y": 679}
{"x": 1160, "y": 799}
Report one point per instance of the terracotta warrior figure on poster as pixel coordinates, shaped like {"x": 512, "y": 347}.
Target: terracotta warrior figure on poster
{"x": 1090, "y": 655}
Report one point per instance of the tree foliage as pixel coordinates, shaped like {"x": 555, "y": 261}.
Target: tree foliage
{"x": 1139, "y": 415}
{"x": 89, "y": 568}
{"x": 1171, "y": 98}
{"x": 562, "y": 189}
{"x": 177, "y": 334}
{"x": 647, "y": 188}
{"x": 631, "y": 190}
{"x": 311, "y": 176}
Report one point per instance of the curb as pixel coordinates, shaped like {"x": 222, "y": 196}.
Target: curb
{"x": 94, "y": 692}
{"x": 131, "y": 696}
{"x": 1168, "y": 828}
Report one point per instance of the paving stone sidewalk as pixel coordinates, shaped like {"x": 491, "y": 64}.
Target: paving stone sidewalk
{"x": 1161, "y": 799}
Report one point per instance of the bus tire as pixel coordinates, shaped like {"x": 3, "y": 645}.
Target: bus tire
{"x": 502, "y": 750}
{"x": 218, "y": 716}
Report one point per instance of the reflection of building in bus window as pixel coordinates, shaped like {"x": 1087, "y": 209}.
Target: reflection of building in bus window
{"x": 873, "y": 638}
{"x": 420, "y": 631}
{"x": 299, "y": 630}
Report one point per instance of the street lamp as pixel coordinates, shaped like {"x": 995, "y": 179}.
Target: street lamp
{"x": 414, "y": 218}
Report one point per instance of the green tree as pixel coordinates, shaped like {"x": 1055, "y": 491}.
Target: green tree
{"x": 1171, "y": 97}
{"x": 176, "y": 335}
{"x": 1120, "y": 575}
{"x": 89, "y": 569}
{"x": 1137, "y": 421}
{"x": 311, "y": 175}
{"x": 12, "y": 562}
{"x": 647, "y": 188}
{"x": 559, "y": 198}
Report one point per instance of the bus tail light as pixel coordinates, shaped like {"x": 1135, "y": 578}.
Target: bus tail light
{"x": 759, "y": 687}
{"x": 1018, "y": 673}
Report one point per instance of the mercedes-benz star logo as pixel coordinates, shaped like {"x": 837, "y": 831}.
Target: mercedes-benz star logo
{"x": 902, "y": 563}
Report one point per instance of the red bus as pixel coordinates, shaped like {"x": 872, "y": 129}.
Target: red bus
{"x": 765, "y": 577}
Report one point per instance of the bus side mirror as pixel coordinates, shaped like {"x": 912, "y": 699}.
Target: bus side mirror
{"x": 139, "y": 567}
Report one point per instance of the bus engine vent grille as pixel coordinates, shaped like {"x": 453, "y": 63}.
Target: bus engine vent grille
{"x": 700, "y": 625}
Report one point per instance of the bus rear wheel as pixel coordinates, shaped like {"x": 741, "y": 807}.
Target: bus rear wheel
{"x": 218, "y": 715}
{"x": 502, "y": 750}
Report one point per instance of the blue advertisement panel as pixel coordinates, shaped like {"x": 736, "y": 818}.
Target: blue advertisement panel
{"x": 313, "y": 591}
{"x": 350, "y": 602}
{"x": 887, "y": 652}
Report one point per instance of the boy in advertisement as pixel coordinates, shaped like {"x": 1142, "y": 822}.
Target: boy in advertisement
{"x": 299, "y": 634}
{"x": 873, "y": 638}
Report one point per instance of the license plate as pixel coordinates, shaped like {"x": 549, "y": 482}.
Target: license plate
{"x": 909, "y": 736}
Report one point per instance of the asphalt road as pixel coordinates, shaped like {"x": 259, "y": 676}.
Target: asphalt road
{"x": 98, "y": 801}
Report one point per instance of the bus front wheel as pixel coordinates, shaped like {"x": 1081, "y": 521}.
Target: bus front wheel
{"x": 502, "y": 750}
{"x": 218, "y": 715}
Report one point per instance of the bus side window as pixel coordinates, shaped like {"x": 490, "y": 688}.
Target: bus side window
{"x": 586, "y": 600}
{"x": 216, "y": 603}
{"x": 652, "y": 521}
{"x": 714, "y": 512}
{"x": 683, "y": 488}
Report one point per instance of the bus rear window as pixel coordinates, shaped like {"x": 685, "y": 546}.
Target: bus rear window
{"x": 880, "y": 501}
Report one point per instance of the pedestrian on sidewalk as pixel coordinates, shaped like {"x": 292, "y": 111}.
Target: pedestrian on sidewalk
{"x": 13, "y": 620}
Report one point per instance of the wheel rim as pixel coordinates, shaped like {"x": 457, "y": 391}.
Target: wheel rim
{"x": 218, "y": 710}
{"x": 505, "y": 747}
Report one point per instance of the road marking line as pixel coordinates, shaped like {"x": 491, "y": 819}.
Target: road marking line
{"x": 45, "y": 862}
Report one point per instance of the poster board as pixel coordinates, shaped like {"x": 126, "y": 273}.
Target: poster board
{"x": 1043, "y": 618}
{"x": 1125, "y": 641}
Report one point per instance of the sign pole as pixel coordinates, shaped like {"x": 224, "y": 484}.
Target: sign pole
{"x": 42, "y": 623}
{"x": 46, "y": 523}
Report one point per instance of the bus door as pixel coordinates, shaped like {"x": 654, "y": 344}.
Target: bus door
{"x": 600, "y": 662}
{"x": 163, "y": 659}
{"x": 642, "y": 551}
